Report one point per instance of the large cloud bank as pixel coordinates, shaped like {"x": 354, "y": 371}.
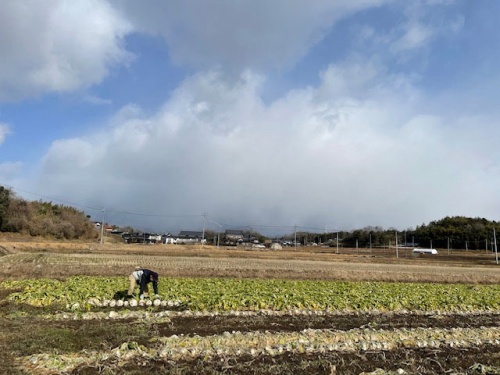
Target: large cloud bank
{"x": 351, "y": 151}
{"x": 362, "y": 144}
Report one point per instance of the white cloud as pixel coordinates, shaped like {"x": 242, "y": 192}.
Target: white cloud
{"x": 421, "y": 24}
{"x": 362, "y": 147}
{"x": 77, "y": 154}
{"x": 95, "y": 100}
{"x": 57, "y": 45}
{"x": 415, "y": 35}
{"x": 422, "y": 27}
{"x": 312, "y": 157}
{"x": 4, "y": 131}
{"x": 237, "y": 35}
{"x": 9, "y": 171}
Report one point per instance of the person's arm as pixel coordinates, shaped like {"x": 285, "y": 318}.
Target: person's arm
{"x": 155, "y": 286}
{"x": 143, "y": 285}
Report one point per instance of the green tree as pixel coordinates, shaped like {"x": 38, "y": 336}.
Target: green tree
{"x": 5, "y": 195}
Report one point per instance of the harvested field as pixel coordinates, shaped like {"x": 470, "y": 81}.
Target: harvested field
{"x": 301, "y": 263}
{"x": 59, "y": 338}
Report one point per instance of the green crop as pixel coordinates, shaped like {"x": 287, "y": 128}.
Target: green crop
{"x": 217, "y": 294}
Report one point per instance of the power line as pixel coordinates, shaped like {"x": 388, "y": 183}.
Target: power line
{"x": 108, "y": 210}
{"x": 152, "y": 215}
{"x": 54, "y": 199}
{"x": 142, "y": 214}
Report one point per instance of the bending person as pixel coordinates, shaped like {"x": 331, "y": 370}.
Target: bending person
{"x": 143, "y": 277}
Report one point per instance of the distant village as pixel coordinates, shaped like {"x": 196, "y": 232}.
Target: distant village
{"x": 230, "y": 237}
{"x": 449, "y": 233}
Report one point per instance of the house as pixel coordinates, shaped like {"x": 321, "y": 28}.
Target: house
{"x": 141, "y": 237}
{"x": 233, "y": 235}
{"x": 107, "y": 227}
{"x": 168, "y": 239}
{"x": 189, "y": 237}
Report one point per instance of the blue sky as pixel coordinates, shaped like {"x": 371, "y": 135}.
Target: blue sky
{"x": 258, "y": 113}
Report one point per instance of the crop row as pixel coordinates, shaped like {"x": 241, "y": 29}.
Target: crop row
{"x": 164, "y": 316}
{"x": 255, "y": 344}
{"x": 216, "y": 294}
{"x": 96, "y": 302}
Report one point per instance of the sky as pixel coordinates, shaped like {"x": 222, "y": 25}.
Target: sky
{"x": 268, "y": 115}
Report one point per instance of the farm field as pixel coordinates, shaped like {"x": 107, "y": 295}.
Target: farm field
{"x": 233, "y": 311}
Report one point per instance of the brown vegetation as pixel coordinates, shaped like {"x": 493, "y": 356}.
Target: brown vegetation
{"x": 28, "y": 259}
{"x": 37, "y": 218}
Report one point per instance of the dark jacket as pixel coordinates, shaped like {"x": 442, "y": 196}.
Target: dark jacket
{"x": 148, "y": 276}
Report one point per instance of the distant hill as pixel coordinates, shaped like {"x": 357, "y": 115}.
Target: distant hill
{"x": 458, "y": 232}
{"x": 37, "y": 218}
{"x": 462, "y": 232}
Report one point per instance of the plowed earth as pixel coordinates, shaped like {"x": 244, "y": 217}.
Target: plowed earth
{"x": 99, "y": 335}
{"x": 417, "y": 361}
{"x": 25, "y": 333}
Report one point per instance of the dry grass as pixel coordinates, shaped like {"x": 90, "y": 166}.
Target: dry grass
{"x": 39, "y": 258}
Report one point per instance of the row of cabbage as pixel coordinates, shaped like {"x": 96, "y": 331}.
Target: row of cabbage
{"x": 254, "y": 344}
{"x": 226, "y": 294}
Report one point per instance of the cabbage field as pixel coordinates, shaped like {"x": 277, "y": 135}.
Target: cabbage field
{"x": 225, "y": 294}
{"x": 82, "y": 324}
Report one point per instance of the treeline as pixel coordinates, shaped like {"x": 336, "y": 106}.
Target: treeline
{"x": 457, "y": 232}
{"x": 38, "y": 218}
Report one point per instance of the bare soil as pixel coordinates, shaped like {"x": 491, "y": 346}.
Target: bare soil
{"x": 415, "y": 362}
{"x": 33, "y": 335}
{"x": 23, "y": 332}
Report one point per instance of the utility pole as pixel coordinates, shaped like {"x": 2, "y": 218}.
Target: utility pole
{"x": 295, "y": 237}
{"x": 219, "y": 229}
{"x": 203, "y": 232}
{"x": 397, "y": 249}
{"x": 337, "y": 242}
{"x": 102, "y": 226}
{"x": 496, "y": 250}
